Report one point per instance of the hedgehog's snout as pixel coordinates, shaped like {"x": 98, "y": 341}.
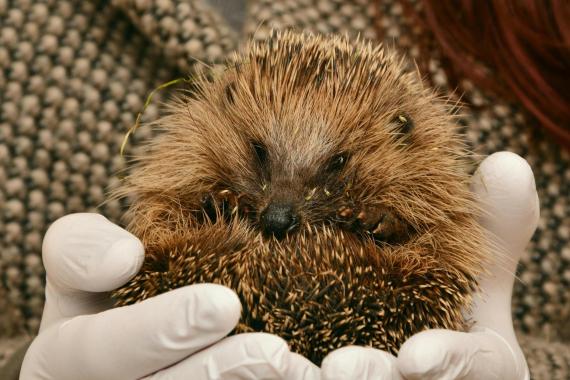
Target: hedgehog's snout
{"x": 278, "y": 218}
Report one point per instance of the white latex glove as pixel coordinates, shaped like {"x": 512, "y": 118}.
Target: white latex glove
{"x": 170, "y": 336}
{"x": 505, "y": 186}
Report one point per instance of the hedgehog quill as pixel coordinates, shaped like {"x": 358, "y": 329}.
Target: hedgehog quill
{"x": 323, "y": 183}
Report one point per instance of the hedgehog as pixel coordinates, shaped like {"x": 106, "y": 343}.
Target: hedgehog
{"x": 319, "y": 179}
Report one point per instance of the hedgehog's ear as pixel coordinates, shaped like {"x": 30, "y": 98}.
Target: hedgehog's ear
{"x": 404, "y": 123}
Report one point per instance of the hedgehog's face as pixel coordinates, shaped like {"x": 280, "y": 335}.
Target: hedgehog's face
{"x": 304, "y": 132}
{"x": 302, "y": 171}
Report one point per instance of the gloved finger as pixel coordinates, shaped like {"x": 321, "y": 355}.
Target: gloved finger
{"x": 359, "y": 363}
{"x": 244, "y": 356}
{"x": 505, "y": 186}
{"x": 506, "y": 189}
{"x": 446, "y": 354}
{"x": 301, "y": 368}
{"x": 133, "y": 341}
{"x": 85, "y": 254}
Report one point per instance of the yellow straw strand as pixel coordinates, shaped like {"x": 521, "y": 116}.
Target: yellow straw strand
{"x": 145, "y": 106}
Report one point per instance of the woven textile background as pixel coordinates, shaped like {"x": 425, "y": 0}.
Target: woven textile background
{"x": 74, "y": 74}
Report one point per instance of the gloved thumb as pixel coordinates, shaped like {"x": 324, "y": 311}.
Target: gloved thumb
{"x": 84, "y": 255}
{"x": 89, "y": 253}
{"x": 446, "y": 354}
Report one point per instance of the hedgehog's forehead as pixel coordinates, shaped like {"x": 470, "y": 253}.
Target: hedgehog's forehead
{"x": 297, "y": 143}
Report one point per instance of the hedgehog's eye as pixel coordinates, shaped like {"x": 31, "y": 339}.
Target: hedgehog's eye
{"x": 404, "y": 122}
{"x": 337, "y": 162}
{"x": 260, "y": 151}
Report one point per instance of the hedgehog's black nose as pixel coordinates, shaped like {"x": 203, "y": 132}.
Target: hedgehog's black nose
{"x": 277, "y": 219}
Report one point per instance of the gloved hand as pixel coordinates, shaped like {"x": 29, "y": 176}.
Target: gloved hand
{"x": 171, "y": 336}
{"x": 505, "y": 186}
{"x": 80, "y": 254}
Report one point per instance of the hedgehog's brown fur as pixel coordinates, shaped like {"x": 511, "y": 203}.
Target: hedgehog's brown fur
{"x": 387, "y": 242}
